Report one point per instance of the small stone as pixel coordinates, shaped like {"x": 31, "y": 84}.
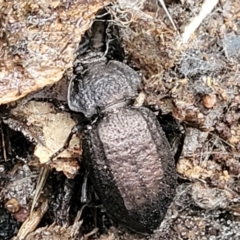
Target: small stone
{"x": 12, "y": 205}
{"x": 209, "y": 100}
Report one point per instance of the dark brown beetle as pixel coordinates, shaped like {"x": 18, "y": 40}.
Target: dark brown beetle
{"x": 125, "y": 151}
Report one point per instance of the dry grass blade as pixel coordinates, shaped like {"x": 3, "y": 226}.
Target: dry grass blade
{"x": 43, "y": 175}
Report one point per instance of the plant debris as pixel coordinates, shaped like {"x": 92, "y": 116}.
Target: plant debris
{"x": 40, "y": 122}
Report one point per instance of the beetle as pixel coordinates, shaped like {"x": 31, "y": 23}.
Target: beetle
{"x": 125, "y": 150}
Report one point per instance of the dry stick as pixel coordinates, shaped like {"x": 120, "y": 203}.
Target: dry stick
{"x": 207, "y": 7}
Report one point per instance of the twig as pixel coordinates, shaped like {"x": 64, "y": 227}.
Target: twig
{"x": 206, "y": 9}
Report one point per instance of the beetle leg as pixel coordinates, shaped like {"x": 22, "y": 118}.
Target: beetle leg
{"x": 75, "y": 130}
{"x": 84, "y": 196}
